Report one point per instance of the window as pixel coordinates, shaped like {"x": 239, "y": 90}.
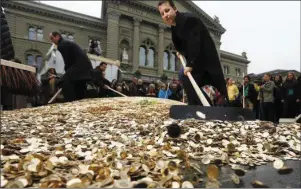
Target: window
{"x": 30, "y": 60}
{"x": 226, "y": 69}
{"x": 35, "y": 59}
{"x": 238, "y": 72}
{"x": 32, "y": 33}
{"x": 172, "y": 66}
{"x": 147, "y": 54}
{"x": 40, "y": 34}
{"x": 35, "y": 33}
{"x": 142, "y": 58}
{"x": 39, "y": 62}
{"x": 150, "y": 58}
{"x": 67, "y": 35}
{"x": 165, "y": 60}
{"x": 170, "y": 60}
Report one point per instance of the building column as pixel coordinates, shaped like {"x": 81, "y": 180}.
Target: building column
{"x": 112, "y": 35}
{"x": 161, "y": 49}
{"x": 135, "y": 62}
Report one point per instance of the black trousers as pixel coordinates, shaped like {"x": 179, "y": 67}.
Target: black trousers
{"x": 192, "y": 97}
{"x": 74, "y": 90}
{"x": 268, "y": 111}
{"x": 278, "y": 109}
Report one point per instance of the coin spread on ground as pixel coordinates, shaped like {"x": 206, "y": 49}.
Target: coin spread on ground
{"x": 132, "y": 142}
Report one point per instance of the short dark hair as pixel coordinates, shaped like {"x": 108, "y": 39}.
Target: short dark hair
{"x": 249, "y": 78}
{"x": 172, "y": 4}
{"x": 55, "y": 34}
{"x": 102, "y": 63}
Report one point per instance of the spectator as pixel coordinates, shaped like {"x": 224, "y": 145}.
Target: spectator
{"x": 267, "y": 99}
{"x": 164, "y": 92}
{"x": 299, "y": 94}
{"x": 175, "y": 91}
{"x": 49, "y": 86}
{"x": 140, "y": 88}
{"x": 250, "y": 94}
{"x": 114, "y": 84}
{"x": 118, "y": 89}
{"x": 125, "y": 88}
{"x": 94, "y": 48}
{"x": 133, "y": 91}
{"x": 289, "y": 96}
{"x": 210, "y": 92}
{"x": 151, "y": 91}
{"x": 277, "y": 100}
{"x": 232, "y": 92}
{"x": 158, "y": 85}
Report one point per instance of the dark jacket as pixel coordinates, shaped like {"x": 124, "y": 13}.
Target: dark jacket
{"x": 192, "y": 39}
{"x": 278, "y": 90}
{"x": 252, "y": 93}
{"x": 290, "y": 90}
{"x": 46, "y": 88}
{"x": 99, "y": 81}
{"x": 7, "y": 49}
{"x": 77, "y": 64}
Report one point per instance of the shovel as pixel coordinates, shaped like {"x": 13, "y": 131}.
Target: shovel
{"x": 207, "y": 112}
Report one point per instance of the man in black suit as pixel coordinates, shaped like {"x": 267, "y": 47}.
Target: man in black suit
{"x": 192, "y": 39}
{"x": 77, "y": 68}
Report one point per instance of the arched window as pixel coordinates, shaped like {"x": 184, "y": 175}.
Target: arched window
{"x": 39, "y": 62}
{"x": 149, "y": 49}
{"x": 238, "y": 71}
{"x": 172, "y": 65}
{"x": 226, "y": 69}
{"x": 30, "y": 60}
{"x": 150, "y": 57}
{"x": 32, "y": 33}
{"x": 40, "y": 34}
{"x": 70, "y": 37}
{"x": 142, "y": 56}
{"x": 165, "y": 60}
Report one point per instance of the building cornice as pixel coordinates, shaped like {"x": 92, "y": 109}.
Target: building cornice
{"x": 205, "y": 16}
{"x": 55, "y": 13}
{"x": 235, "y": 57}
{"x": 214, "y": 26}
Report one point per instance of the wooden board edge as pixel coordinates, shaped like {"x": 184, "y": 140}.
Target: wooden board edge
{"x": 18, "y": 65}
{"x": 103, "y": 59}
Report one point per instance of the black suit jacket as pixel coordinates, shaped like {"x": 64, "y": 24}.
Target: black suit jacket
{"x": 192, "y": 39}
{"x": 77, "y": 63}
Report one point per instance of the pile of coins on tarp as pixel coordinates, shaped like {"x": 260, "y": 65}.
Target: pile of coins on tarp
{"x": 132, "y": 142}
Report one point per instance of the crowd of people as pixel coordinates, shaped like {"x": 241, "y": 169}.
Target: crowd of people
{"x": 270, "y": 99}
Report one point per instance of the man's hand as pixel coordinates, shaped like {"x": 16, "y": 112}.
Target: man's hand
{"x": 187, "y": 69}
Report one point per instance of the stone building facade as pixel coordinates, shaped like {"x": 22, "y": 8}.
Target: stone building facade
{"x": 129, "y": 31}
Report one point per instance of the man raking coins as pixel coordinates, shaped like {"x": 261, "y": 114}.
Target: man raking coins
{"x": 193, "y": 41}
{"x": 77, "y": 68}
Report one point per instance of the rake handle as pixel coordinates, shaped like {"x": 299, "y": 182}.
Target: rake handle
{"x": 54, "y": 96}
{"x": 194, "y": 84}
{"x": 107, "y": 87}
